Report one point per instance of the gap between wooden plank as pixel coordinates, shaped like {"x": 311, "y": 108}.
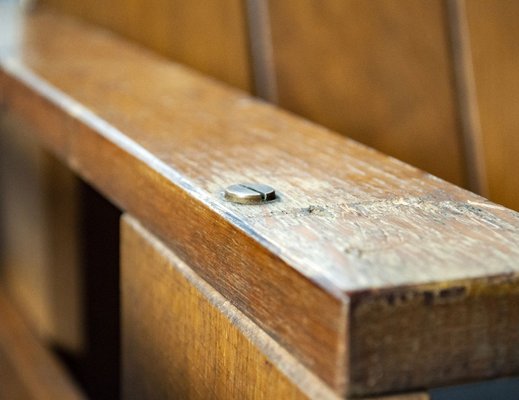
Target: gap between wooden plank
{"x": 470, "y": 127}
{"x": 260, "y": 41}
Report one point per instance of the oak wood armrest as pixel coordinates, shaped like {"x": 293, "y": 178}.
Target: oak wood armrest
{"x": 377, "y": 276}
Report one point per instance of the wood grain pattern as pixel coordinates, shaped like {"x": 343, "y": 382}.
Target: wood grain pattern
{"x": 378, "y": 72}
{"x": 451, "y": 320}
{"x": 182, "y": 339}
{"x": 494, "y": 33}
{"x": 209, "y": 36}
{"x": 28, "y": 370}
{"x": 351, "y": 224}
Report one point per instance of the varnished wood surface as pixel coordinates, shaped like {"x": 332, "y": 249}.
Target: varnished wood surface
{"x": 27, "y": 370}
{"x": 182, "y": 339}
{"x": 379, "y": 72}
{"x": 494, "y": 35}
{"x": 209, "y": 36}
{"x": 353, "y": 231}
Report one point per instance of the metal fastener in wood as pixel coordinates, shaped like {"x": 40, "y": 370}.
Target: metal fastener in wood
{"x": 250, "y": 193}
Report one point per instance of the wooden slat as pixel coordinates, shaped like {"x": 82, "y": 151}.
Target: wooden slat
{"x": 28, "y": 370}
{"x": 378, "y": 71}
{"x": 24, "y": 226}
{"x": 182, "y": 339}
{"x": 39, "y": 222}
{"x": 354, "y": 235}
{"x": 209, "y": 36}
{"x": 494, "y": 34}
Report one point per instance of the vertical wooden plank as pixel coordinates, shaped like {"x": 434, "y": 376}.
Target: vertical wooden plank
{"x": 182, "y": 339}
{"x": 207, "y": 35}
{"x": 25, "y": 251}
{"x": 27, "y": 369}
{"x": 377, "y": 71}
{"x": 40, "y": 253}
{"x": 494, "y": 36}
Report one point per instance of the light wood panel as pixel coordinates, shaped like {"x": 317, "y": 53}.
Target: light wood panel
{"x": 27, "y": 369}
{"x": 208, "y": 35}
{"x": 353, "y": 231}
{"x": 182, "y": 339}
{"x": 494, "y": 38}
{"x": 379, "y": 72}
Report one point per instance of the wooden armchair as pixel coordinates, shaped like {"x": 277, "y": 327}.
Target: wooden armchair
{"x": 364, "y": 278}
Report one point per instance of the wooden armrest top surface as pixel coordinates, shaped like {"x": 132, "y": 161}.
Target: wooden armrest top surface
{"x": 162, "y": 142}
{"x": 349, "y": 217}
